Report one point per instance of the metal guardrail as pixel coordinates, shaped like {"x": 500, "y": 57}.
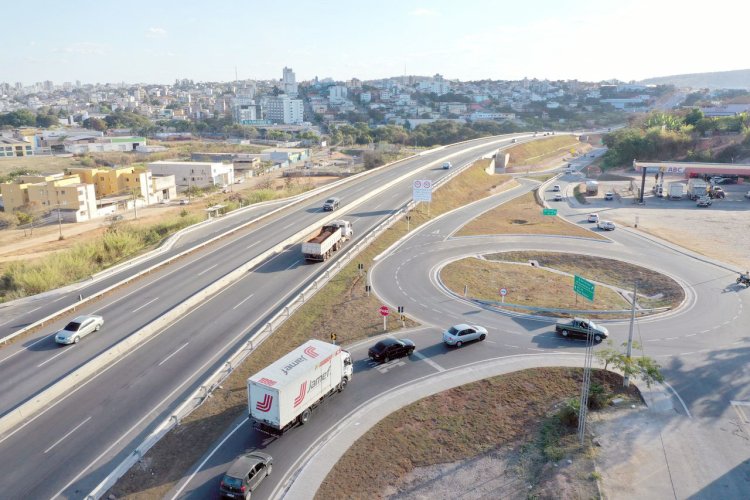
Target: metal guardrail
{"x": 199, "y": 396}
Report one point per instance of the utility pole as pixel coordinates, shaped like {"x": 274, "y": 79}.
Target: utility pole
{"x": 59, "y": 220}
{"x": 135, "y": 205}
{"x": 626, "y": 380}
{"x": 582, "y": 412}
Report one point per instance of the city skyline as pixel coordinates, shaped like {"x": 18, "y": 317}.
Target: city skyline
{"x": 583, "y": 40}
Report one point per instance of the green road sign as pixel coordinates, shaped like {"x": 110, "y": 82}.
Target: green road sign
{"x": 549, "y": 211}
{"x": 583, "y": 287}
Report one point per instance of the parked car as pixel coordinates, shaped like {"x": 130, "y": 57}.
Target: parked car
{"x": 245, "y": 475}
{"x": 388, "y": 349}
{"x": 79, "y": 328}
{"x": 579, "y": 327}
{"x": 458, "y": 335}
{"x": 557, "y": 197}
{"x": 331, "y": 204}
{"x": 184, "y": 202}
{"x": 703, "y": 201}
{"x": 609, "y": 196}
{"x": 606, "y": 225}
{"x": 556, "y": 187}
{"x": 593, "y": 218}
{"x": 447, "y": 165}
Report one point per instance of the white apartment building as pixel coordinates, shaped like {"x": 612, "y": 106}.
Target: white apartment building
{"x": 337, "y": 93}
{"x": 282, "y": 109}
{"x": 195, "y": 173}
{"x": 289, "y": 82}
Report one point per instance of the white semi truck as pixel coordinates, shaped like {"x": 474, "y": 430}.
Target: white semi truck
{"x": 676, "y": 190}
{"x": 696, "y": 188}
{"x": 326, "y": 241}
{"x": 286, "y": 392}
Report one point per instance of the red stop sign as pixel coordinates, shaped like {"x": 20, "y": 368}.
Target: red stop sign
{"x": 384, "y": 311}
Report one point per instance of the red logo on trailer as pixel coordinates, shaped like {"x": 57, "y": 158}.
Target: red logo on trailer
{"x": 301, "y": 396}
{"x": 267, "y": 381}
{"x": 310, "y": 351}
{"x": 264, "y": 405}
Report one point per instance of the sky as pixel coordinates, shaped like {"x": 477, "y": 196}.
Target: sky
{"x": 158, "y": 42}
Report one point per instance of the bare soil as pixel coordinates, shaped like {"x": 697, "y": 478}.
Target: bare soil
{"x": 505, "y": 442}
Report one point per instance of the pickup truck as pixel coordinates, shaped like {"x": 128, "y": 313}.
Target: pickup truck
{"x": 579, "y": 327}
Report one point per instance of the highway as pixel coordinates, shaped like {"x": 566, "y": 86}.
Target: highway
{"x": 701, "y": 345}
{"x": 79, "y": 439}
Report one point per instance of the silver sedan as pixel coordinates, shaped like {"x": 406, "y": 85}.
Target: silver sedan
{"x": 79, "y": 328}
{"x": 458, "y": 335}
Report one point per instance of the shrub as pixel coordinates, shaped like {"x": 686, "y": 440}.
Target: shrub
{"x": 568, "y": 413}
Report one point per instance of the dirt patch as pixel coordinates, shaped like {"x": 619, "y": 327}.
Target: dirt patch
{"x": 522, "y": 215}
{"x": 436, "y": 451}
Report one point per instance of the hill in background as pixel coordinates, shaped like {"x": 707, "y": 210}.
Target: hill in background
{"x": 737, "y": 79}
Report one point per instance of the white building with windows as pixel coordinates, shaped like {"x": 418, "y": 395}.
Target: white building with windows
{"x": 199, "y": 174}
{"x": 289, "y": 82}
{"x": 337, "y": 93}
{"x": 283, "y": 109}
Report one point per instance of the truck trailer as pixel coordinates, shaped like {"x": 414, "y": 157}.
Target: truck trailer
{"x": 327, "y": 240}
{"x": 676, "y": 190}
{"x": 696, "y": 188}
{"x": 286, "y": 392}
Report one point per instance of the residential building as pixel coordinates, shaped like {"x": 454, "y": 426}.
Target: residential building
{"x": 282, "y": 109}
{"x": 74, "y": 200}
{"x": 10, "y": 147}
{"x": 337, "y": 93}
{"x": 289, "y": 83}
{"x": 91, "y": 144}
{"x": 193, "y": 173}
{"x": 126, "y": 181}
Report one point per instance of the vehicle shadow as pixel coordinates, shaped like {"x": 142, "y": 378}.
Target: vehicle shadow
{"x": 376, "y": 213}
{"x": 48, "y": 344}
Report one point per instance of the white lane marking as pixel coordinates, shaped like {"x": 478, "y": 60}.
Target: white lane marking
{"x": 705, "y": 331}
{"x": 58, "y": 300}
{"x": 27, "y": 312}
{"x": 147, "y": 303}
{"x": 534, "y": 349}
{"x": 243, "y": 301}
{"x": 289, "y": 225}
{"x": 429, "y": 361}
{"x": 490, "y": 341}
{"x": 27, "y": 347}
{"x": 293, "y": 264}
{"x": 252, "y": 245}
{"x": 513, "y": 346}
{"x": 68, "y": 434}
{"x": 684, "y": 406}
{"x": 178, "y": 350}
{"x": 207, "y": 269}
{"x": 62, "y": 351}
{"x": 691, "y": 335}
{"x": 200, "y": 465}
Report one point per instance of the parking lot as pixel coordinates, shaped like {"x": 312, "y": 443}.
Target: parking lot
{"x": 720, "y": 231}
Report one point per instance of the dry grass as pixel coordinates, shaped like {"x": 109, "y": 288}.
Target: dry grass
{"x": 535, "y": 152}
{"x": 37, "y": 164}
{"x": 342, "y": 302}
{"x": 654, "y": 289}
{"x": 526, "y": 285}
{"x": 522, "y": 216}
{"x": 495, "y": 413}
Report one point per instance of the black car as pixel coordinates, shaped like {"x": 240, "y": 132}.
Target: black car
{"x": 388, "y": 349}
{"x": 245, "y": 474}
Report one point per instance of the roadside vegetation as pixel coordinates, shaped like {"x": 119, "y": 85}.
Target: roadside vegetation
{"x": 679, "y": 136}
{"x": 527, "y": 419}
{"x": 537, "y": 152}
{"x": 118, "y": 243}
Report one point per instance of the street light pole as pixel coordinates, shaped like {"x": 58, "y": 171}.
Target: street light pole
{"x": 626, "y": 380}
{"x": 59, "y": 220}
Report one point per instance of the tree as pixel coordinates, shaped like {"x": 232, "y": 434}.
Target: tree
{"x": 647, "y": 369}
{"x": 95, "y": 124}
{"x": 693, "y": 116}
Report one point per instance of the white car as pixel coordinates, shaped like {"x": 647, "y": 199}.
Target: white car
{"x": 609, "y": 196}
{"x": 458, "y": 335}
{"x": 557, "y": 197}
{"x": 556, "y": 187}
{"x": 79, "y": 328}
{"x": 593, "y": 218}
{"x": 606, "y": 225}
{"x": 447, "y": 165}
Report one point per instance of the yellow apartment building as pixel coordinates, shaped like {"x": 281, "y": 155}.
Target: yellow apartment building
{"x": 75, "y": 200}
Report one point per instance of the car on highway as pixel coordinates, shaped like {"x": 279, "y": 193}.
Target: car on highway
{"x": 79, "y": 328}
{"x": 556, "y": 188}
{"x": 557, "y": 197}
{"x": 388, "y": 349}
{"x": 609, "y": 196}
{"x": 606, "y": 225}
{"x": 581, "y": 328}
{"x": 703, "y": 201}
{"x": 331, "y": 204}
{"x": 447, "y": 165}
{"x": 458, "y": 335}
{"x": 514, "y": 140}
{"x": 245, "y": 475}
{"x": 593, "y": 218}
{"x": 747, "y": 195}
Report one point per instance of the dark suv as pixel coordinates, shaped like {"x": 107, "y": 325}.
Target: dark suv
{"x": 245, "y": 474}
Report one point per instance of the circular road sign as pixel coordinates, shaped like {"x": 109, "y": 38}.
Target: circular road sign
{"x": 384, "y": 311}
{"x": 417, "y": 184}
{"x": 503, "y": 292}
